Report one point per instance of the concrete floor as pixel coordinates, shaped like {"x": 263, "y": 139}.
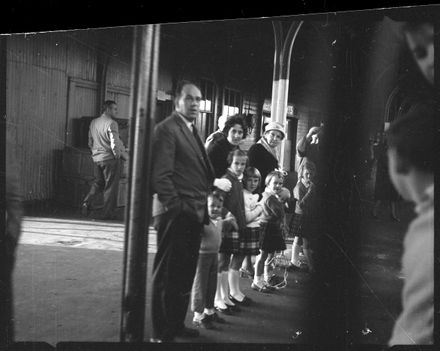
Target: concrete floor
{"x": 67, "y": 286}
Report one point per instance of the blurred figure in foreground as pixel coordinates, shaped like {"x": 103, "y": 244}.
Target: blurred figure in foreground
{"x": 412, "y": 158}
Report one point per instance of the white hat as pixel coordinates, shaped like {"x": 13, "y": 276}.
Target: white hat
{"x": 275, "y": 126}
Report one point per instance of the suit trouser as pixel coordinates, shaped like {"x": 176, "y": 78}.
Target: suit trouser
{"x": 174, "y": 268}
{"x": 107, "y": 174}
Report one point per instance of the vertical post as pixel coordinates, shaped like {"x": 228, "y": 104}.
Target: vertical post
{"x": 280, "y": 85}
{"x": 143, "y": 100}
{"x": 6, "y": 332}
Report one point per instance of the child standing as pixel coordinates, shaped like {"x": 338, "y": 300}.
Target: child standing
{"x": 253, "y": 209}
{"x": 205, "y": 280}
{"x": 303, "y": 222}
{"x": 412, "y": 158}
{"x": 271, "y": 236}
{"x": 230, "y": 254}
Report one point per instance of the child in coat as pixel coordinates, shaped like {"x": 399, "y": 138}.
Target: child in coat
{"x": 231, "y": 255}
{"x": 271, "y": 223}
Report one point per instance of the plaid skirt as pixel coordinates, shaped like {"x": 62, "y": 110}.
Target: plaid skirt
{"x": 250, "y": 241}
{"x": 271, "y": 237}
{"x": 302, "y": 226}
{"x": 230, "y": 242}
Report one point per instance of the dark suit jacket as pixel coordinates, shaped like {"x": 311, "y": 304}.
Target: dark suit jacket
{"x": 181, "y": 177}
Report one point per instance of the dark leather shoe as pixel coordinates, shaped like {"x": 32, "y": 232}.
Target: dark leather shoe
{"x": 233, "y": 308}
{"x": 204, "y": 323}
{"x": 187, "y": 333}
{"x": 226, "y": 310}
{"x": 245, "y": 302}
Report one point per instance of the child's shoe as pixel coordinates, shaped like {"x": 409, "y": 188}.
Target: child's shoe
{"x": 261, "y": 287}
{"x": 273, "y": 281}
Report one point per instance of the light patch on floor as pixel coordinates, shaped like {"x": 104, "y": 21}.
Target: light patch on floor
{"x": 86, "y": 234}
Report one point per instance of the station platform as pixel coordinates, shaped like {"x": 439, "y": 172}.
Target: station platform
{"x": 68, "y": 287}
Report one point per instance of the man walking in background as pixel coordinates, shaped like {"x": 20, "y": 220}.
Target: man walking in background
{"x": 107, "y": 149}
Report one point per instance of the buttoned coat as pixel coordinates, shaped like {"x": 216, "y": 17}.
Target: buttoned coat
{"x": 182, "y": 173}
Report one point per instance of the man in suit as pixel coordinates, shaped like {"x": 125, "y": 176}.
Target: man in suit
{"x": 182, "y": 176}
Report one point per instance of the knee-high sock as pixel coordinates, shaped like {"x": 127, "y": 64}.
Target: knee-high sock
{"x": 267, "y": 272}
{"x": 234, "y": 284}
{"x": 224, "y": 288}
{"x": 219, "y": 302}
{"x": 258, "y": 280}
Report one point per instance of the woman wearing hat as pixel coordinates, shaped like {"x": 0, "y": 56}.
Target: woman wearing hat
{"x": 265, "y": 155}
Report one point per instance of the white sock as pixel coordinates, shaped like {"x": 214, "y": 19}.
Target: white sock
{"x": 224, "y": 288}
{"x": 198, "y": 316}
{"x": 295, "y": 254}
{"x": 209, "y": 311}
{"x": 266, "y": 272}
{"x": 258, "y": 279}
{"x": 218, "y": 301}
{"x": 234, "y": 284}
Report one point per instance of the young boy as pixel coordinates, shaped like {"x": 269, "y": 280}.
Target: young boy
{"x": 205, "y": 280}
{"x": 412, "y": 158}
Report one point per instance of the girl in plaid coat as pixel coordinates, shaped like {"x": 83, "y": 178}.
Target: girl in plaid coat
{"x": 231, "y": 253}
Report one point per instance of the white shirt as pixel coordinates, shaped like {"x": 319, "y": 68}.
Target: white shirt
{"x": 189, "y": 124}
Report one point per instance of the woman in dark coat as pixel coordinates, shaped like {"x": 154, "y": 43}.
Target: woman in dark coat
{"x": 264, "y": 155}
{"x": 218, "y": 150}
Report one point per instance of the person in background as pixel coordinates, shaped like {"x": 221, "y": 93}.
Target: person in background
{"x": 107, "y": 150}
{"x": 308, "y": 147}
{"x": 413, "y": 157}
{"x": 218, "y": 134}
{"x": 420, "y": 40}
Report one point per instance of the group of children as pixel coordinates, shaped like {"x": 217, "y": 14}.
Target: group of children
{"x": 244, "y": 223}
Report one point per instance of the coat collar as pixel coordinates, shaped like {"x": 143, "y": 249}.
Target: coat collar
{"x": 192, "y": 141}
